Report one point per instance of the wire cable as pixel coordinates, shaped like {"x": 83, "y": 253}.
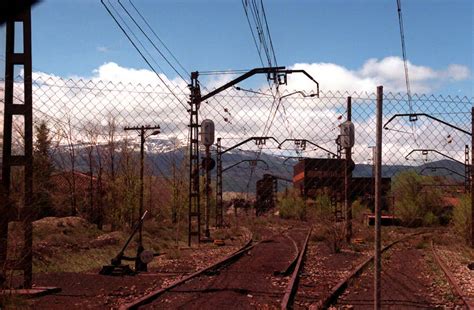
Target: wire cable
{"x": 151, "y": 41}
{"x": 141, "y": 53}
{"x": 156, "y": 36}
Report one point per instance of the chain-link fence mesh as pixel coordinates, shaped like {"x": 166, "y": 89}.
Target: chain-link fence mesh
{"x": 96, "y": 163}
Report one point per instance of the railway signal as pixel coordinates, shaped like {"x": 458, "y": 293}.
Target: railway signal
{"x": 207, "y": 139}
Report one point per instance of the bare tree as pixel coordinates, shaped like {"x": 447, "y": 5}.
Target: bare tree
{"x": 111, "y": 149}
{"x": 66, "y": 160}
{"x": 92, "y": 134}
{"x": 128, "y": 167}
{"x": 100, "y": 189}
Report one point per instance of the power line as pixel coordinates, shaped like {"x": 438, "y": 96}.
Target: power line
{"x": 405, "y": 65}
{"x": 404, "y": 53}
{"x": 134, "y": 35}
{"x": 140, "y": 52}
{"x": 244, "y": 5}
{"x": 268, "y": 32}
{"x": 151, "y": 41}
{"x": 153, "y": 44}
{"x": 156, "y": 35}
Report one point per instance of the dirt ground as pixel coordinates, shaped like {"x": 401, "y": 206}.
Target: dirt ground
{"x": 249, "y": 283}
{"x": 93, "y": 291}
{"x": 410, "y": 280}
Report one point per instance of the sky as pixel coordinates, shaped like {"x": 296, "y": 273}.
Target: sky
{"x": 345, "y": 45}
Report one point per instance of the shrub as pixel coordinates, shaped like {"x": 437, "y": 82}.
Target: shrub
{"x": 430, "y": 219}
{"x": 292, "y": 206}
{"x": 359, "y": 209}
{"x": 462, "y": 218}
{"x": 416, "y": 202}
{"x": 323, "y": 206}
{"x": 331, "y": 232}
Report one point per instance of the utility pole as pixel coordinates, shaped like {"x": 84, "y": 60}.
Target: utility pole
{"x": 219, "y": 206}
{"x": 347, "y": 180}
{"x": 378, "y": 199}
{"x": 142, "y": 130}
{"x": 194, "y": 201}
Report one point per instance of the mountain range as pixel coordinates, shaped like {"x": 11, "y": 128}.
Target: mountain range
{"x": 162, "y": 153}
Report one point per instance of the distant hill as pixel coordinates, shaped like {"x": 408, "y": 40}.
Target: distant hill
{"x": 160, "y": 154}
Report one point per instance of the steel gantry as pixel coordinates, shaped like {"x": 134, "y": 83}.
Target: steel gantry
{"x": 277, "y": 74}
{"x": 18, "y": 56}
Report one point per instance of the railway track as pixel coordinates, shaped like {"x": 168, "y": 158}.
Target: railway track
{"x": 406, "y": 301}
{"x": 292, "y": 286}
{"x": 253, "y": 276}
{"x": 468, "y": 302}
{"x": 342, "y": 285}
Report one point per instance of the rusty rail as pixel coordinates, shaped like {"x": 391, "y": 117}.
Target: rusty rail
{"x": 293, "y": 284}
{"x": 341, "y": 286}
{"x": 292, "y": 264}
{"x": 457, "y": 290}
{"x": 155, "y": 294}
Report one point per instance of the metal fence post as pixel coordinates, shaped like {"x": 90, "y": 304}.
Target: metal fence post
{"x": 378, "y": 198}
{"x": 472, "y": 177}
{"x": 347, "y": 180}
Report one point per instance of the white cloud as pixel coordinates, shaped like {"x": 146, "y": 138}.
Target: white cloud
{"x": 388, "y": 72}
{"x": 113, "y": 90}
{"x": 457, "y": 72}
{"x": 115, "y": 73}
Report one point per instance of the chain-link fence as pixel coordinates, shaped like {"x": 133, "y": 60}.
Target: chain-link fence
{"x": 291, "y": 148}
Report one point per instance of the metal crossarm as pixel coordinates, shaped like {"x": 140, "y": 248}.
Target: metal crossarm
{"x": 414, "y": 116}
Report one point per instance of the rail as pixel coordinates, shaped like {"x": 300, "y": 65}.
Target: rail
{"x": 155, "y": 294}
{"x": 293, "y": 284}
{"x": 341, "y": 286}
{"x": 457, "y": 290}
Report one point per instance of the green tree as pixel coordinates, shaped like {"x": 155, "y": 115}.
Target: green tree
{"x": 417, "y": 201}
{"x": 42, "y": 169}
{"x": 462, "y": 218}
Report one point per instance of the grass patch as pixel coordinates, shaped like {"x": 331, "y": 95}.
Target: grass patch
{"x": 174, "y": 253}
{"x": 76, "y": 261}
{"x": 8, "y": 302}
